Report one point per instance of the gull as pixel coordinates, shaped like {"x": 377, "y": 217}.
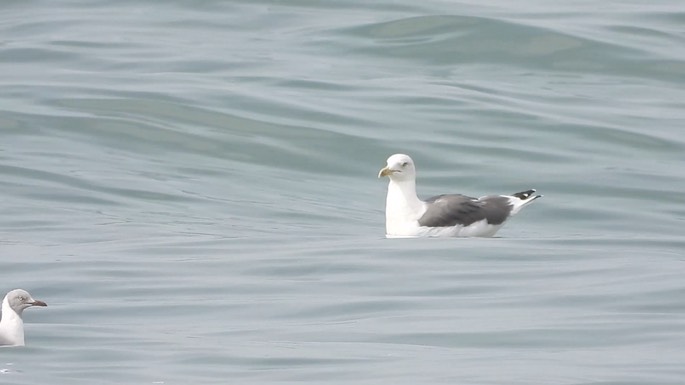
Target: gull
{"x": 447, "y": 215}
{"x": 11, "y": 323}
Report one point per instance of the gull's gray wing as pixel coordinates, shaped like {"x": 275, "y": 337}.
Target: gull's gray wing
{"x": 455, "y": 209}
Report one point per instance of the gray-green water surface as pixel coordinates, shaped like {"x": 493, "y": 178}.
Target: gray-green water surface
{"x": 191, "y": 187}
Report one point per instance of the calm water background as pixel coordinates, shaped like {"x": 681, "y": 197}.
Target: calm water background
{"x": 191, "y": 187}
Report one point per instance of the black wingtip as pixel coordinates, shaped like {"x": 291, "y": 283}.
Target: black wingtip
{"x": 523, "y": 195}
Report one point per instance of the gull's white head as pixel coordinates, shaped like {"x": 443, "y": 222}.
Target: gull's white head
{"x": 19, "y": 299}
{"x": 400, "y": 167}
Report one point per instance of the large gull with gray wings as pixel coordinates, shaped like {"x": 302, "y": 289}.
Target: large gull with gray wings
{"x": 443, "y": 215}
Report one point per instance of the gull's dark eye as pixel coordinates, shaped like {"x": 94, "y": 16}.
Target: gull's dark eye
{"x": 405, "y": 164}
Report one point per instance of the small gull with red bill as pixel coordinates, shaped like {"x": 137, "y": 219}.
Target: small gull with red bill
{"x": 11, "y": 323}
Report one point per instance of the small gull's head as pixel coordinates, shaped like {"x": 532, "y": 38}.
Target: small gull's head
{"x": 399, "y": 167}
{"x": 19, "y": 300}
